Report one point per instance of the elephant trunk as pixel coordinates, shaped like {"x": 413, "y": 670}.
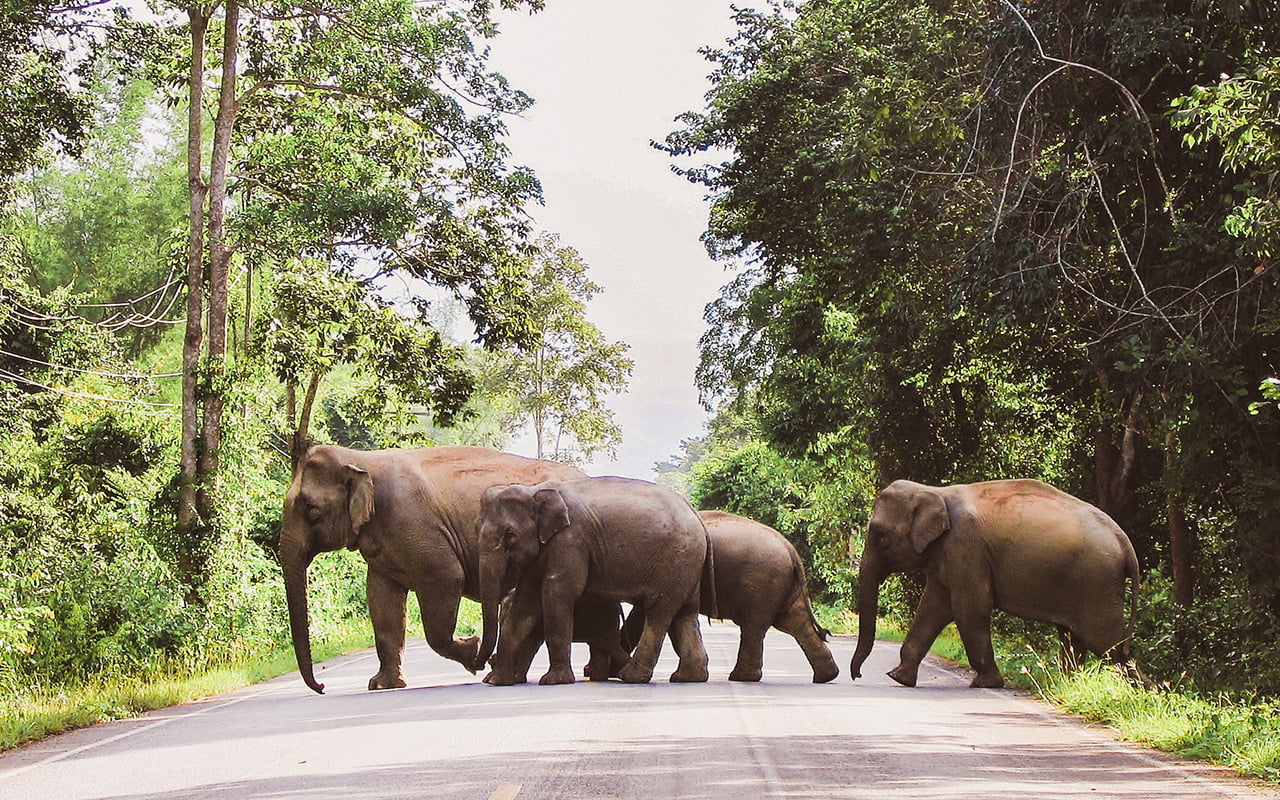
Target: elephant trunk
{"x": 295, "y": 558}
{"x": 869, "y": 579}
{"x": 491, "y": 574}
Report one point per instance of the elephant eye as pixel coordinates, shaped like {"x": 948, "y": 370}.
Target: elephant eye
{"x": 508, "y": 538}
{"x": 312, "y": 514}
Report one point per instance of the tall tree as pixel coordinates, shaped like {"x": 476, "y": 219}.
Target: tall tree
{"x": 973, "y": 226}
{"x": 560, "y": 383}
{"x": 365, "y": 127}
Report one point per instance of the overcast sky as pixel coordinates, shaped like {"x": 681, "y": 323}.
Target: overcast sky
{"x": 608, "y": 77}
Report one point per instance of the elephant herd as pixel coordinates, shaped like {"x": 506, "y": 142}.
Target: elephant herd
{"x": 551, "y": 555}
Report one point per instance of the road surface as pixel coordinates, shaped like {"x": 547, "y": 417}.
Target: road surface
{"x": 449, "y": 736}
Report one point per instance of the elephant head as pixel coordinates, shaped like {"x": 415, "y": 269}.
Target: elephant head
{"x": 327, "y": 503}
{"x": 906, "y": 519}
{"x": 515, "y": 523}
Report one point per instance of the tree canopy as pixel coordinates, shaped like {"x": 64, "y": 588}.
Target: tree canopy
{"x": 985, "y": 240}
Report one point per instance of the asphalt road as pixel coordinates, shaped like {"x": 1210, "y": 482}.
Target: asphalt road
{"x": 449, "y": 736}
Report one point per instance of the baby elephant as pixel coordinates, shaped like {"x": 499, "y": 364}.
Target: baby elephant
{"x": 759, "y": 583}
{"x": 1021, "y": 546}
{"x": 608, "y": 539}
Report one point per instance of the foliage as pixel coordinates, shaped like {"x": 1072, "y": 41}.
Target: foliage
{"x": 103, "y": 225}
{"x": 1242, "y": 735}
{"x": 973, "y": 244}
{"x": 558, "y": 385}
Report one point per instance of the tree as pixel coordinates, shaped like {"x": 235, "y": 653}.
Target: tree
{"x": 319, "y": 321}
{"x": 978, "y": 246}
{"x": 559, "y": 384}
{"x": 390, "y": 83}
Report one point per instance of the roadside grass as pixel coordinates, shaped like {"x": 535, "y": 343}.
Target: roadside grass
{"x": 38, "y": 711}
{"x": 1242, "y": 735}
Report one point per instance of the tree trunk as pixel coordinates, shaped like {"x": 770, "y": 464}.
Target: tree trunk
{"x": 1113, "y": 465}
{"x": 1180, "y": 534}
{"x": 193, "y": 340}
{"x": 219, "y": 258}
{"x": 301, "y": 438}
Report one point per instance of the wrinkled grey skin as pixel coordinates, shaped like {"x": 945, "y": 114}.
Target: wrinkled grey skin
{"x": 596, "y": 623}
{"x": 611, "y": 539}
{"x": 760, "y": 583}
{"x": 1021, "y": 546}
{"x": 412, "y": 515}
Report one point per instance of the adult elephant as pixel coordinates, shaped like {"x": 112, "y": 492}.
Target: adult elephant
{"x": 1021, "y": 546}
{"x": 412, "y": 515}
{"x": 610, "y": 539}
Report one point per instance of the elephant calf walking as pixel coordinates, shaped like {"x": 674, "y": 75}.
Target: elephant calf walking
{"x": 759, "y": 584}
{"x": 1021, "y": 546}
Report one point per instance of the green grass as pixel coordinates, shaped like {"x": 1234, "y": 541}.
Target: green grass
{"x": 39, "y": 711}
{"x": 1242, "y": 736}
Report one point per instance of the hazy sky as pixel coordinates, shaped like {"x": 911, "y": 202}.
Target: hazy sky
{"x": 610, "y": 76}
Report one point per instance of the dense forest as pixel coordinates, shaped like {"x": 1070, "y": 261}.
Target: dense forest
{"x": 970, "y": 240}
{"x": 1001, "y": 239}
{"x": 228, "y": 231}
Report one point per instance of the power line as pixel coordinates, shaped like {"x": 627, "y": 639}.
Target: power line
{"x": 4, "y": 373}
{"x": 135, "y": 377}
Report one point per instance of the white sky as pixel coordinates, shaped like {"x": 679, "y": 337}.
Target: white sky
{"x": 609, "y": 76}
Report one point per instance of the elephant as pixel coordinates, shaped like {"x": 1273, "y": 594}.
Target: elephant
{"x": 412, "y": 514}
{"x": 1021, "y": 546}
{"x": 596, "y": 623}
{"x": 611, "y": 539}
{"x": 759, "y": 583}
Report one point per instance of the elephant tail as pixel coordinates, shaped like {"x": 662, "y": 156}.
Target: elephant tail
{"x": 707, "y": 600}
{"x": 799, "y": 596}
{"x": 1134, "y": 574}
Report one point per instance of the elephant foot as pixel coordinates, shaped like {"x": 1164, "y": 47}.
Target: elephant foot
{"x": 826, "y": 673}
{"x": 634, "y": 673}
{"x": 557, "y": 676}
{"x": 981, "y": 681}
{"x": 690, "y": 675}
{"x": 745, "y": 674}
{"x": 498, "y": 677}
{"x": 903, "y": 675}
{"x": 598, "y": 669}
{"x": 465, "y": 652}
{"x": 382, "y": 681}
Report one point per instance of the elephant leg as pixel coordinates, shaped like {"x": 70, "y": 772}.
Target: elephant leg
{"x": 973, "y": 621}
{"x": 798, "y": 623}
{"x": 750, "y": 665}
{"x": 657, "y": 621}
{"x": 558, "y": 599}
{"x": 932, "y": 615}
{"x": 520, "y": 635}
{"x": 439, "y": 605}
{"x": 387, "y": 601}
{"x": 687, "y": 640}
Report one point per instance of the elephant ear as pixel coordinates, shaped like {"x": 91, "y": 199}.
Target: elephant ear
{"x": 552, "y": 511}
{"x": 359, "y": 500}
{"x": 929, "y": 520}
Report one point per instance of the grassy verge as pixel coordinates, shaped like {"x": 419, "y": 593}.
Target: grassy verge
{"x": 1244, "y": 736}
{"x": 1240, "y": 735}
{"x": 39, "y": 711}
